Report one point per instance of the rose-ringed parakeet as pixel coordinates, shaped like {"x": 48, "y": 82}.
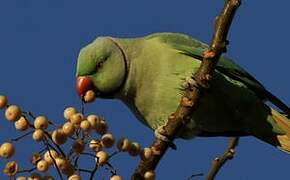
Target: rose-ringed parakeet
{"x": 149, "y": 74}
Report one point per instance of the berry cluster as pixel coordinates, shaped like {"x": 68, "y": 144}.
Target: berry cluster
{"x": 77, "y": 131}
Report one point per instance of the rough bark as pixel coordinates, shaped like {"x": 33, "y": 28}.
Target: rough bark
{"x": 190, "y": 99}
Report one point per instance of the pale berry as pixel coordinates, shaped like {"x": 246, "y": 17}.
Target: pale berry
{"x": 58, "y": 137}
{"x": 35, "y": 176}
{"x": 3, "y": 101}
{"x": 123, "y": 144}
{"x": 85, "y": 126}
{"x": 149, "y": 175}
{"x": 96, "y": 145}
{"x": 146, "y": 154}
{"x": 78, "y": 146}
{"x": 47, "y": 178}
{"x": 68, "y": 112}
{"x": 102, "y": 158}
{"x": 102, "y": 127}
{"x": 21, "y": 178}
{"x": 41, "y": 122}
{"x": 134, "y": 149}
{"x": 50, "y": 155}
{"x": 42, "y": 166}
{"x": 38, "y": 135}
{"x": 94, "y": 120}
{"x": 76, "y": 119}
{"x": 13, "y": 113}
{"x": 7, "y": 150}
{"x": 68, "y": 128}
{"x": 10, "y": 168}
{"x": 69, "y": 170}
{"x": 35, "y": 158}
{"x": 74, "y": 177}
{"x": 116, "y": 177}
{"x": 107, "y": 140}
{"x": 90, "y": 96}
{"x": 21, "y": 124}
{"x": 62, "y": 164}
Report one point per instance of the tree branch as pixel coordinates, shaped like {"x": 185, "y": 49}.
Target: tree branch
{"x": 218, "y": 162}
{"x": 192, "y": 95}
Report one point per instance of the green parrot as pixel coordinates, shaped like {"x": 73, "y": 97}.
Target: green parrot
{"x": 149, "y": 74}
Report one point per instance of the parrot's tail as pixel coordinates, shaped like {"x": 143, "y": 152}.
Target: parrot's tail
{"x": 281, "y": 141}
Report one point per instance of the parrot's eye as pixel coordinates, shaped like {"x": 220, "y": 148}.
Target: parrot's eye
{"x": 99, "y": 65}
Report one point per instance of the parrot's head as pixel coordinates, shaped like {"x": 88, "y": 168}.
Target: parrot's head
{"x": 101, "y": 67}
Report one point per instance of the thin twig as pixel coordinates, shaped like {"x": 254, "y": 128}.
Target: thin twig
{"x": 85, "y": 170}
{"x": 76, "y": 161}
{"x": 20, "y": 137}
{"x": 51, "y": 123}
{"x": 72, "y": 138}
{"x": 29, "y": 124}
{"x": 218, "y": 162}
{"x": 190, "y": 99}
{"x": 94, "y": 171}
{"x": 113, "y": 154}
{"x": 26, "y": 170}
{"x": 195, "y": 175}
{"x": 82, "y": 107}
{"x": 57, "y": 146}
{"x": 111, "y": 168}
{"x": 29, "y": 114}
{"x": 45, "y": 141}
{"x": 51, "y": 146}
{"x": 41, "y": 151}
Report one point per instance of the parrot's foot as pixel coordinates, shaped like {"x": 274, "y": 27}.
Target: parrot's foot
{"x": 190, "y": 82}
{"x": 159, "y": 134}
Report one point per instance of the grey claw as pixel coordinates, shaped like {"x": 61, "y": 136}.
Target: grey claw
{"x": 190, "y": 82}
{"x": 159, "y": 134}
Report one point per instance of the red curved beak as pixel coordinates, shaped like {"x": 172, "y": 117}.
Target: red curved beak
{"x": 83, "y": 85}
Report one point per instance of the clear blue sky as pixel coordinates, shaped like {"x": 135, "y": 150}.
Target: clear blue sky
{"x": 40, "y": 41}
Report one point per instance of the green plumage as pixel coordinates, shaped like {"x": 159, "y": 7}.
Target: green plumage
{"x": 148, "y": 75}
